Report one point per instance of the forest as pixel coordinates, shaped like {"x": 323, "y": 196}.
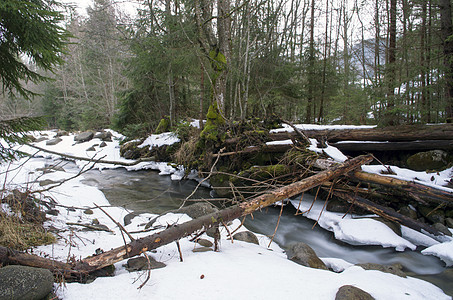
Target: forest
{"x": 326, "y": 62}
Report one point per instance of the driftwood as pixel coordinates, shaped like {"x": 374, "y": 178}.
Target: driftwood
{"x": 176, "y": 232}
{"x": 391, "y": 215}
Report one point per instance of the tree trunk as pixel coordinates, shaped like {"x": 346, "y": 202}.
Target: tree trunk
{"x": 446, "y": 33}
{"x": 391, "y": 215}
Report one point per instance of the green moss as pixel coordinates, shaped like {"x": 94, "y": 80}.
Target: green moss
{"x": 164, "y": 125}
{"x": 211, "y": 131}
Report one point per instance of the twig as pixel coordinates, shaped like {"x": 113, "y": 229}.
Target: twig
{"x": 82, "y": 171}
{"x": 240, "y": 225}
{"x": 228, "y": 231}
{"x": 204, "y": 179}
{"x": 89, "y": 226}
{"x": 110, "y": 162}
{"x": 149, "y": 272}
{"x": 117, "y": 223}
{"x": 179, "y": 250}
{"x": 276, "y": 227}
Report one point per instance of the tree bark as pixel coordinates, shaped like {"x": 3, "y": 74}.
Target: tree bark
{"x": 390, "y": 134}
{"x": 446, "y": 32}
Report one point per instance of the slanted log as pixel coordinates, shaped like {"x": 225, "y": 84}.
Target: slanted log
{"x": 391, "y": 215}
{"x": 417, "y": 191}
{"x": 177, "y": 232}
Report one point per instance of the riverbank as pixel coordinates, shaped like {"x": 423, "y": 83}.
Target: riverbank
{"x": 240, "y": 270}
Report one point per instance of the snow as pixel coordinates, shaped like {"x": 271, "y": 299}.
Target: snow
{"x": 287, "y": 128}
{"x": 157, "y": 140}
{"x": 351, "y": 229}
{"x": 444, "y": 251}
{"x": 238, "y": 271}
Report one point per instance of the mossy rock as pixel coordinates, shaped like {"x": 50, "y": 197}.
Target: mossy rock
{"x": 164, "y": 125}
{"x": 437, "y": 160}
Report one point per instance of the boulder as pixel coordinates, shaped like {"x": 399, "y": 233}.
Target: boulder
{"x": 449, "y": 222}
{"x": 141, "y": 263}
{"x": 128, "y": 218}
{"x": 40, "y": 139}
{"x": 204, "y": 242}
{"x": 53, "y": 142}
{"x": 442, "y": 228}
{"x": 197, "y": 210}
{"x": 62, "y": 133}
{"x": 25, "y": 283}
{"x": 349, "y": 292}
{"x": 435, "y": 216}
{"x": 246, "y": 236}
{"x": 84, "y": 137}
{"x": 304, "y": 255}
{"x": 395, "y": 269}
{"x": 105, "y": 136}
{"x": 430, "y": 160}
{"x": 408, "y": 211}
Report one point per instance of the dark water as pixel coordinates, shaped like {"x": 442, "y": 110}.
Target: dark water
{"x": 146, "y": 191}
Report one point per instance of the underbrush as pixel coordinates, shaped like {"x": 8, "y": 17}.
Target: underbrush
{"x": 21, "y": 222}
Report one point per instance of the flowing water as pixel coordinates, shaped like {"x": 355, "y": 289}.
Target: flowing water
{"x": 146, "y": 191}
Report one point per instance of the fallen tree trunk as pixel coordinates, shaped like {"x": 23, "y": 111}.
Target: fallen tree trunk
{"x": 416, "y": 191}
{"x": 391, "y": 215}
{"x": 394, "y": 146}
{"x": 177, "y": 232}
{"x": 391, "y": 134}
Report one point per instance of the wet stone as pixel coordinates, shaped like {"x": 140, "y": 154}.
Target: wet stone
{"x": 349, "y": 292}
{"x": 246, "y": 236}
{"x": 141, "y": 263}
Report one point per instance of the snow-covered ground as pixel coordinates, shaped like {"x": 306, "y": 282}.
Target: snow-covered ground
{"x": 239, "y": 270}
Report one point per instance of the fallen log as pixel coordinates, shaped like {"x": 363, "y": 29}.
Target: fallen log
{"x": 391, "y": 215}
{"x": 415, "y": 190}
{"x": 424, "y": 145}
{"x": 391, "y": 134}
{"x": 177, "y": 232}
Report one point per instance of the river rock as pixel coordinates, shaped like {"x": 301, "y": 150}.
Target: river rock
{"x": 141, "y": 263}
{"x": 25, "y": 283}
{"x": 128, "y": 218}
{"x": 105, "y": 136}
{"x": 47, "y": 182}
{"x": 197, "y": 210}
{"x": 435, "y": 216}
{"x": 304, "y": 255}
{"x": 395, "y": 269}
{"x": 205, "y": 242}
{"x": 430, "y": 160}
{"x": 442, "y": 228}
{"x": 202, "y": 249}
{"x": 92, "y": 148}
{"x": 449, "y": 222}
{"x": 103, "y": 144}
{"x": 62, "y": 133}
{"x": 84, "y": 137}
{"x": 53, "y": 142}
{"x": 408, "y": 211}
{"x": 246, "y": 236}
{"x": 349, "y": 292}
{"x": 41, "y": 139}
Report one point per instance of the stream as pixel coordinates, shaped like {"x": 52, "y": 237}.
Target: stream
{"x": 146, "y": 191}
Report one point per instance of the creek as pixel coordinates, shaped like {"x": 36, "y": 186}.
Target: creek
{"x": 146, "y": 191}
